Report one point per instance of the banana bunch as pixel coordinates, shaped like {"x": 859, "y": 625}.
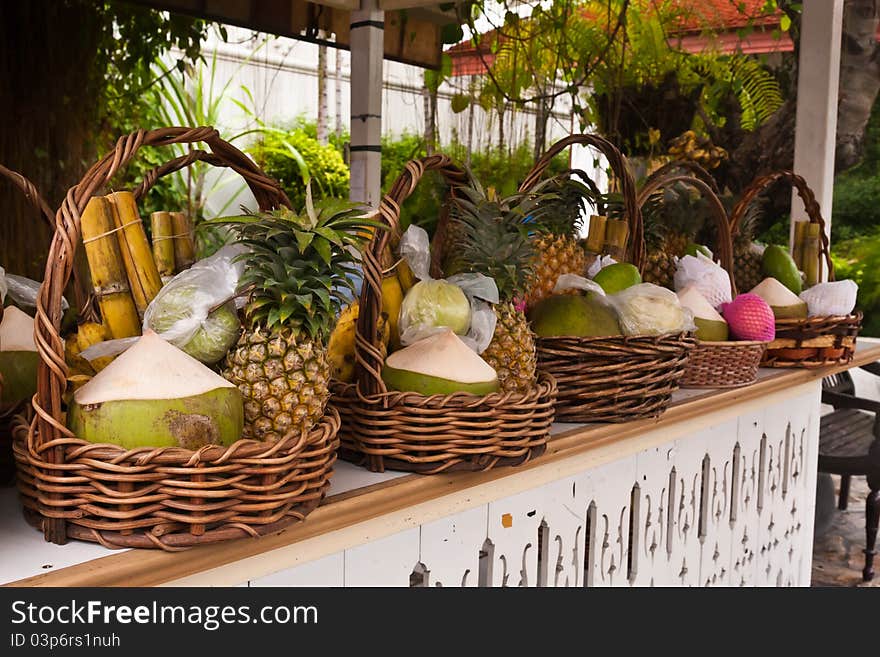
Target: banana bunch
{"x": 697, "y": 148}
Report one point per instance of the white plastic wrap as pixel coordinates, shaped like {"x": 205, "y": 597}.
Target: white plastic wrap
{"x": 648, "y": 309}
{"x": 432, "y": 305}
{"x": 707, "y": 276}
{"x": 3, "y": 286}
{"x": 599, "y": 264}
{"x": 831, "y": 299}
{"x": 194, "y": 311}
{"x": 574, "y": 282}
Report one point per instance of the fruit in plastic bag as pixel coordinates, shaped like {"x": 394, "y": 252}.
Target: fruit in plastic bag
{"x": 750, "y": 318}
{"x": 215, "y": 334}
{"x": 649, "y": 309}
{"x": 440, "y": 364}
{"x": 432, "y": 304}
{"x": 784, "y": 303}
{"x": 18, "y": 357}
{"x": 706, "y": 275}
{"x": 574, "y": 315}
{"x": 831, "y": 299}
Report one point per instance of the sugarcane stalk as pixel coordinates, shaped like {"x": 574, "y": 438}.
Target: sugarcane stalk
{"x": 800, "y": 236}
{"x": 596, "y": 236}
{"x": 137, "y": 254}
{"x": 162, "y": 231}
{"x": 812, "y": 266}
{"x": 184, "y": 246}
{"x": 107, "y": 270}
{"x": 616, "y": 234}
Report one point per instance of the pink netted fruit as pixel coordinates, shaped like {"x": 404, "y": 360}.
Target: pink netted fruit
{"x": 749, "y": 318}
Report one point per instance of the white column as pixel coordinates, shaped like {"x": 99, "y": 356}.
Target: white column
{"x": 816, "y": 122}
{"x": 367, "y": 47}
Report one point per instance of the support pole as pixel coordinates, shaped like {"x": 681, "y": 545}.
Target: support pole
{"x": 816, "y": 117}
{"x": 367, "y": 48}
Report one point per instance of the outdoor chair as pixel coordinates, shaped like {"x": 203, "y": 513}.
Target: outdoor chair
{"x": 849, "y": 444}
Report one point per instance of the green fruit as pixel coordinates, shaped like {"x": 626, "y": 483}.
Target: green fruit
{"x": 436, "y": 303}
{"x": 214, "y": 417}
{"x": 440, "y": 364}
{"x": 778, "y": 263}
{"x": 18, "y": 371}
{"x": 569, "y": 315}
{"x": 711, "y": 327}
{"x": 617, "y": 277}
{"x": 692, "y": 249}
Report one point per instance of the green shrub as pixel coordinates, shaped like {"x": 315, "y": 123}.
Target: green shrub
{"x": 859, "y": 259}
{"x": 294, "y": 157}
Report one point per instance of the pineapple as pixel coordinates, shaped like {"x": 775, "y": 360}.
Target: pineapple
{"x": 297, "y": 273}
{"x": 747, "y": 255}
{"x": 673, "y": 217}
{"x": 494, "y": 240}
{"x": 561, "y": 202}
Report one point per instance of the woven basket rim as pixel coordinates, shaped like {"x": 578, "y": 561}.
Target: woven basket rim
{"x": 672, "y": 337}
{"x": 818, "y": 319}
{"x": 543, "y": 387}
{"x": 731, "y": 343}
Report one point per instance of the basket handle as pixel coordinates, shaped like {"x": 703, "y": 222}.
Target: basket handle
{"x": 47, "y": 434}
{"x": 627, "y": 185}
{"x": 367, "y": 344}
{"x": 811, "y": 206}
{"x": 692, "y": 167}
{"x": 724, "y": 245}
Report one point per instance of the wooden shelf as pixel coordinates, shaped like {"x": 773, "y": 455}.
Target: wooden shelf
{"x": 363, "y": 506}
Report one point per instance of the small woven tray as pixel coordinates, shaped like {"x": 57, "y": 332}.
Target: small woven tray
{"x": 614, "y": 379}
{"x": 815, "y": 341}
{"x": 407, "y": 431}
{"x": 169, "y": 498}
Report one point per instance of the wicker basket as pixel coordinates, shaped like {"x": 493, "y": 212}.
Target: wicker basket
{"x": 611, "y": 379}
{"x": 815, "y": 341}
{"x": 169, "y": 498}
{"x": 7, "y": 411}
{"x": 441, "y": 433}
{"x": 728, "y": 364}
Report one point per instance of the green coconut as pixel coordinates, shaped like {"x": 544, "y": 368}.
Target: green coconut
{"x": 711, "y": 326}
{"x": 18, "y": 357}
{"x": 777, "y": 263}
{"x": 440, "y": 364}
{"x": 155, "y": 395}
{"x": 784, "y": 303}
{"x": 572, "y": 315}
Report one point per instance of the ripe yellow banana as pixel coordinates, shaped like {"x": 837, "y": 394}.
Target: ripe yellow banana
{"x": 91, "y": 333}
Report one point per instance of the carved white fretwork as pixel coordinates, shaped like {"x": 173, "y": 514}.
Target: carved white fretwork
{"x": 729, "y": 505}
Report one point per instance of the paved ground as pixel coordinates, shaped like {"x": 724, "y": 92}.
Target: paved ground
{"x": 837, "y": 554}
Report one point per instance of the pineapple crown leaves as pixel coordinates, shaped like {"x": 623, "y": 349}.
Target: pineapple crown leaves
{"x": 496, "y": 237}
{"x": 561, "y": 202}
{"x": 300, "y": 267}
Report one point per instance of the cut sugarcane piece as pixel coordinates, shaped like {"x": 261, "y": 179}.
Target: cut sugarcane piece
{"x": 137, "y": 254}
{"x": 184, "y": 246}
{"x": 107, "y": 270}
{"x": 162, "y": 230}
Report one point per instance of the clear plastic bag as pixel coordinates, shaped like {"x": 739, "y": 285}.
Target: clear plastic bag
{"x": 195, "y": 310}
{"x": 648, "y": 309}
{"x": 461, "y": 302}
{"x": 712, "y": 281}
{"x": 22, "y": 291}
{"x": 574, "y": 282}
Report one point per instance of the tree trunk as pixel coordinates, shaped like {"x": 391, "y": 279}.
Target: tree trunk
{"x": 470, "y": 128}
{"x": 322, "y": 93}
{"x": 859, "y": 79}
{"x": 501, "y": 109}
{"x": 49, "y": 99}
{"x": 542, "y": 114}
